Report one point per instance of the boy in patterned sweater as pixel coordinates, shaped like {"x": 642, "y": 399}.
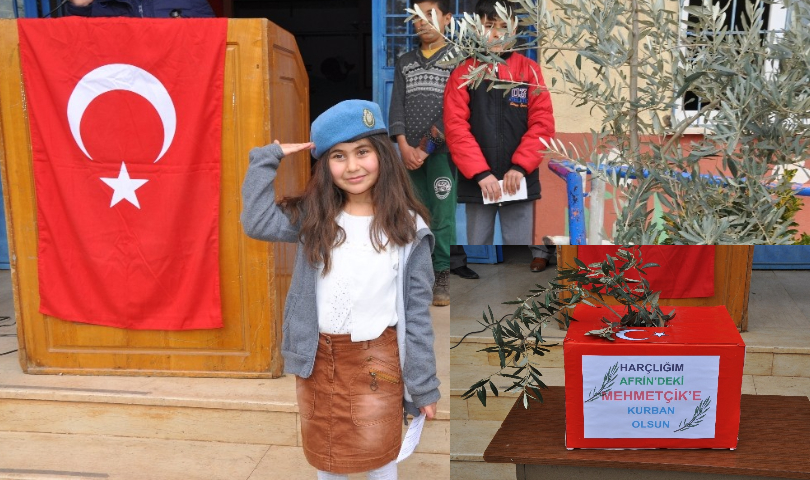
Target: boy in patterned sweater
{"x": 415, "y": 123}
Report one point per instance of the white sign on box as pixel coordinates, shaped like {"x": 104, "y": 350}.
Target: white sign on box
{"x": 650, "y": 396}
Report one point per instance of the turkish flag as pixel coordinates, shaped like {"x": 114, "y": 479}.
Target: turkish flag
{"x": 686, "y": 271}
{"x": 125, "y": 118}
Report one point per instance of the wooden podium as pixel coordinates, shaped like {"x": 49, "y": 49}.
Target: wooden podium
{"x": 266, "y": 96}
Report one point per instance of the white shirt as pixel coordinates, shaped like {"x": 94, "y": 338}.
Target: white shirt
{"x": 358, "y": 295}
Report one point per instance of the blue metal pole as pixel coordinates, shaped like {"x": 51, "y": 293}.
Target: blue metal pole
{"x": 576, "y": 209}
{"x": 802, "y": 190}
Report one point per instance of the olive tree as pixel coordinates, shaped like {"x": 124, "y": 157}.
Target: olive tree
{"x": 630, "y": 63}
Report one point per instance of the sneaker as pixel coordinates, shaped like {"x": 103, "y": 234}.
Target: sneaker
{"x": 441, "y": 289}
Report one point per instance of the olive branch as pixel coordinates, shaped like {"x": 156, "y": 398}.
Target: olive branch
{"x": 607, "y": 383}
{"x": 700, "y": 412}
{"x": 518, "y": 336}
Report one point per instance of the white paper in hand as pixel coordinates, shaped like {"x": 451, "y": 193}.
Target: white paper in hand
{"x": 412, "y": 436}
{"x": 521, "y": 194}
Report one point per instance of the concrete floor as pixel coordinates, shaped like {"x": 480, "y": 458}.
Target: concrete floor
{"x": 498, "y": 283}
{"x": 779, "y": 309}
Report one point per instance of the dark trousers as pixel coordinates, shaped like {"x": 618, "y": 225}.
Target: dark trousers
{"x": 458, "y": 257}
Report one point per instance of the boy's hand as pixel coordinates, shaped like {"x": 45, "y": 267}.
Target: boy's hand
{"x": 420, "y": 155}
{"x": 429, "y": 411}
{"x": 290, "y": 148}
{"x": 490, "y": 188}
{"x": 410, "y": 157}
{"x": 511, "y": 181}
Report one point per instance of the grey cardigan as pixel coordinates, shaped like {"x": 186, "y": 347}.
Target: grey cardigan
{"x": 263, "y": 219}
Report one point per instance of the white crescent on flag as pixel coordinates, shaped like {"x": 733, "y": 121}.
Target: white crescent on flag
{"x": 623, "y": 334}
{"x": 121, "y": 76}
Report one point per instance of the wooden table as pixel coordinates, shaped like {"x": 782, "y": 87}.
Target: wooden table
{"x": 774, "y": 442}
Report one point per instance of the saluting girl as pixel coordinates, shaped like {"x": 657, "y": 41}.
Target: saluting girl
{"x": 357, "y": 327}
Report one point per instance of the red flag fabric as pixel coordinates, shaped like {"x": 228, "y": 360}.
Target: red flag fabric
{"x": 125, "y": 119}
{"x": 686, "y": 271}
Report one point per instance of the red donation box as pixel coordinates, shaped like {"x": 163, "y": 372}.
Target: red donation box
{"x": 677, "y": 386}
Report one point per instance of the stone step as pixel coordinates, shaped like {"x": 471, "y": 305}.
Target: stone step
{"x": 229, "y": 410}
{"x": 497, "y": 407}
{"x": 175, "y": 423}
{"x": 240, "y": 411}
{"x": 47, "y": 456}
{"x": 479, "y": 470}
{"x": 777, "y": 361}
{"x": 470, "y": 439}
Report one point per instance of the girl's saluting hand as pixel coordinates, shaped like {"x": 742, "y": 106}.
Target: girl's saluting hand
{"x": 290, "y": 148}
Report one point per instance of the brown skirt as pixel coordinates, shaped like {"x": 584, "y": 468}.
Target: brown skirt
{"x": 351, "y": 405}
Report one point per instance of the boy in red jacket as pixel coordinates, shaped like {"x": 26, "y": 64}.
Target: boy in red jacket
{"x": 494, "y": 137}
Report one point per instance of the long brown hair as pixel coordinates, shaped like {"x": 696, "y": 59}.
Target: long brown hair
{"x": 318, "y": 207}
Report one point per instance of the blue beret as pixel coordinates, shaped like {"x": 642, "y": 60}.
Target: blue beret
{"x": 348, "y": 121}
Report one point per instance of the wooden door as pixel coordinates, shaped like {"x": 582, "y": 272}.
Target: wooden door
{"x": 732, "y": 281}
{"x": 266, "y": 96}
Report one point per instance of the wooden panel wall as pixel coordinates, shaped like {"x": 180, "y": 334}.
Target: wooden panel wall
{"x": 254, "y": 275}
{"x": 732, "y": 280}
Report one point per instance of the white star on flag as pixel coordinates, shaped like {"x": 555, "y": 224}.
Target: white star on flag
{"x": 124, "y": 187}
{"x": 659, "y": 334}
